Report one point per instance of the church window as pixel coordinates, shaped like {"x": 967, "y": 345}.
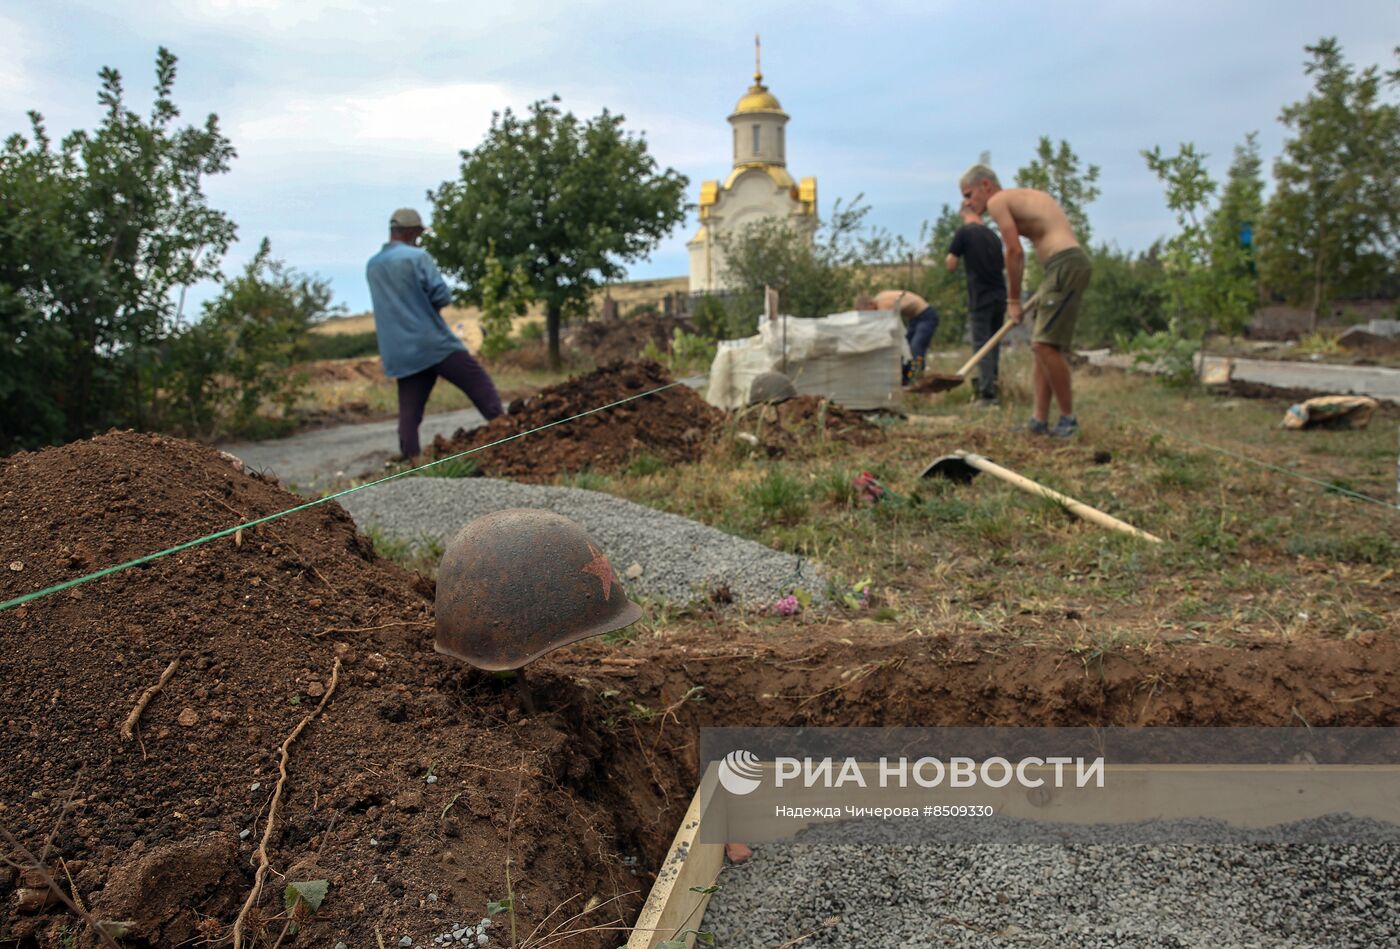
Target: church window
{"x": 755, "y": 138}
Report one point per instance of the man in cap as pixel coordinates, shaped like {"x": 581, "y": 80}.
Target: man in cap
{"x": 1038, "y": 216}
{"x": 980, "y": 251}
{"x": 415, "y": 345}
{"x": 920, "y": 319}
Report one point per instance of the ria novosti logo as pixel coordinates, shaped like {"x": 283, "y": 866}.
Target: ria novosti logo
{"x": 740, "y": 772}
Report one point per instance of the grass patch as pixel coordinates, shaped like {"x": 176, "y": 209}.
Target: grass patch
{"x": 1180, "y": 470}
{"x": 587, "y": 480}
{"x": 421, "y": 554}
{"x": 1379, "y": 549}
{"x": 453, "y": 468}
{"x": 779, "y": 496}
{"x": 645, "y": 464}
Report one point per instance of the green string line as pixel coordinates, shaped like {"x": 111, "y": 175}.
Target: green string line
{"x": 106, "y": 571}
{"x": 1338, "y": 489}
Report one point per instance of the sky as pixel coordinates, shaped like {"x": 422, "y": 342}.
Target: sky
{"x": 343, "y": 110}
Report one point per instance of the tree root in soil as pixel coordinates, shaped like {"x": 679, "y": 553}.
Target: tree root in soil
{"x": 128, "y": 729}
{"x": 369, "y": 629}
{"x": 271, "y": 827}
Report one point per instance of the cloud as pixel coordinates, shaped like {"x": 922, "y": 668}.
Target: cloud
{"x": 17, "y": 46}
{"x": 412, "y": 119}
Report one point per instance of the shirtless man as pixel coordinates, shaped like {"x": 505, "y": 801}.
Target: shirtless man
{"x": 1034, "y": 214}
{"x": 921, "y": 321}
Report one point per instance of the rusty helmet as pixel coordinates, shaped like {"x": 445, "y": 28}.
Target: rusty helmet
{"x": 771, "y": 387}
{"x": 516, "y": 584}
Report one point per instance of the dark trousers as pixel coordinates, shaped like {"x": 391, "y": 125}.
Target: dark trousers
{"x": 984, "y": 322}
{"x": 919, "y": 334}
{"x": 462, "y": 371}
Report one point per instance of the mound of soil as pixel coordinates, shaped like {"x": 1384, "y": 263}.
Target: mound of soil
{"x": 673, "y": 425}
{"x": 159, "y": 830}
{"x": 788, "y": 427}
{"x": 611, "y": 340}
{"x": 361, "y": 369}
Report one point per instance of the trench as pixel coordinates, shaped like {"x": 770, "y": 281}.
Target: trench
{"x": 647, "y": 771}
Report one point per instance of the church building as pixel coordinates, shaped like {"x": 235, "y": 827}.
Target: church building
{"x": 758, "y": 187}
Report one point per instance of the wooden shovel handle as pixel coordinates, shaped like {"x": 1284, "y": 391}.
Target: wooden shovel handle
{"x": 1034, "y": 487}
{"x": 987, "y": 347}
{"x": 991, "y": 344}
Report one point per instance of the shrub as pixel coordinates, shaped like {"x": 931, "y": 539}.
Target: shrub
{"x": 340, "y": 345}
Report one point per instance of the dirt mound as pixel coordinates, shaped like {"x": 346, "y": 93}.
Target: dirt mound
{"x": 611, "y": 340}
{"x": 673, "y": 425}
{"x": 362, "y": 369}
{"x": 409, "y": 783}
{"x": 795, "y": 424}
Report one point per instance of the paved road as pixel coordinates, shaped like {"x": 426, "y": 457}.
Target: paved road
{"x": 1375, "y": 381}
{"x": 313, "y": 461}
{"x": 1322, "y": 378}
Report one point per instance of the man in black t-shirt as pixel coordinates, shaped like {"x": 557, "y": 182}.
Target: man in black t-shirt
{"x": 980, "y": 250}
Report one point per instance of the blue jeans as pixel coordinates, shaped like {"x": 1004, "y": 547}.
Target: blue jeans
{"x": 919, "y": 334}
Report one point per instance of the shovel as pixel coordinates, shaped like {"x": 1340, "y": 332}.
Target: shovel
{"x": 963, "y": 466}
{"x": 937, "y": 382}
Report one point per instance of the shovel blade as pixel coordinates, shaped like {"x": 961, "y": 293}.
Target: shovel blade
{"x": 952, "y": 467}
{"x": 938, "y": 383}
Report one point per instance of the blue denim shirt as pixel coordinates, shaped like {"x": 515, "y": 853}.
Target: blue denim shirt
{"x": 407, "y": 291}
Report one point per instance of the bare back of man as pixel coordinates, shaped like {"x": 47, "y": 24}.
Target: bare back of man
{"x": 1038, "y": 217}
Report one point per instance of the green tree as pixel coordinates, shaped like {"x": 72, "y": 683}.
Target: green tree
{"x": 239, "y": 358}
{"x": 813, "y": 272}
{"x": 1239, "y": 212}
{"x": 946, "y": 292}
{"x": 1057, "y": 172}
{"x": 95, "y": 236}
{"x": 567, "y": 202}
{"x": 1332, "y": 225}
{"x": 505, "y": 294}
{"x": 1195, "y": 290}
{"x": 1130, "y": 298}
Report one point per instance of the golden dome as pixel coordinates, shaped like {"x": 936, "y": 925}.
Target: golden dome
{"x": 758, "y": 99}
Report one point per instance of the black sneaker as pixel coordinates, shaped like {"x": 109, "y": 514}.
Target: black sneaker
{"x": 1035, "y": 426}
{"x": 985, "y": 403}
{"x": 1065, "y": 427}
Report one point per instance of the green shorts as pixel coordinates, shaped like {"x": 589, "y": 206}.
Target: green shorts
{"x": 1061, "y": 294}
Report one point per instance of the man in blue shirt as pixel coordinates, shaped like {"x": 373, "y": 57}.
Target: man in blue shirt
{"x": 415, "y": 345}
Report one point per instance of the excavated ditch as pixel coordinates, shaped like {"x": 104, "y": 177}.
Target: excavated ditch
{"x": 421, "y": 780}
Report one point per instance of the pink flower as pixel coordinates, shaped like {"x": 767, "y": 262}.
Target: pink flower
{"x": 786, "y": 606}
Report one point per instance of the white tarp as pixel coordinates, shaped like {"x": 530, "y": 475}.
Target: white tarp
{"x": 851, "y": 358}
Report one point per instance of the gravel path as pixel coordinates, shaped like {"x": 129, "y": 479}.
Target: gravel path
{"x": 680, "y": 559}
{"x": 1327, "y": 882}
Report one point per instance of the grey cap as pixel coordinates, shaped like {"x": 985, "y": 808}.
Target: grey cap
{"x": 405, "y": 217}
{"x": 771, "y": 387}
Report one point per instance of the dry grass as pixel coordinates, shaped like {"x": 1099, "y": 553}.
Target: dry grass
{"x": 1250, "y": 553}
